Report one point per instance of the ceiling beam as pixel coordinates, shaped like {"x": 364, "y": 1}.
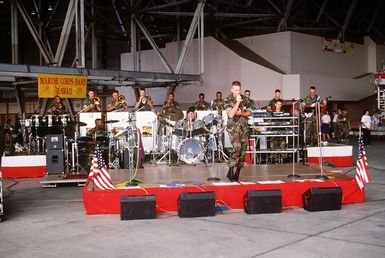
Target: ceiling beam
{"x": 283, "y": 23}
{"x": 321, "y": 10}
{"x": 341, "y": 35}
{"x": 374, "y": 17}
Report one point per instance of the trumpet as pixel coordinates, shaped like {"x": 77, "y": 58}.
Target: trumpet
{"x": 121, "y": 99}
{"x": 144, "y": 100}
{"x": 96, "y": 101}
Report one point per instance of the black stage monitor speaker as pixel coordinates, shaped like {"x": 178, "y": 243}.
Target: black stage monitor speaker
{"x": 55, "y": 141}
{"x": 55, "y": 161}
{"x": 137, "y": 207}
{"x": 322, "y": 199}
{"x": 196, "y": 204}
{"x": 263, "y": 201}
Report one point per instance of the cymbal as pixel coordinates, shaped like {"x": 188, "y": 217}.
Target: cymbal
{"x": 76, "y": 123}
{"x": 111, "y": 121}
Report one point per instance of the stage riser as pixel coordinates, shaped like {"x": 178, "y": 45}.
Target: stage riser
{"x": 108, "y": 201}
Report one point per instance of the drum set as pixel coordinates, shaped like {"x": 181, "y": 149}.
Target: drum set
{"x": 190, "y": 140}
{"x": 193, "y": 140}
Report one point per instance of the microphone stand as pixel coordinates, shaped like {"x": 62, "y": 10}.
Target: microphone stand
{"x": 322, "y": 175}
{"x": 293, "y": 174}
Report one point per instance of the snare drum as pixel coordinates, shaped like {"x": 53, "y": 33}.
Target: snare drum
{"x": 210, "y": 120}
{"x": 175, "y": 141}
{"x": 198, "y": 128}
{"x": 191, "y": 151}
{"x": 180, "y": 128}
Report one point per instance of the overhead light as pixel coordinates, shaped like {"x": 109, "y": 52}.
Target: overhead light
{"x": 33, "y": 12}
{"x": 1, "y": 2}
{"x": 49, "y": 7}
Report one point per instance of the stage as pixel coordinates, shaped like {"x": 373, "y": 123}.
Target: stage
{"x": 167, "y": 182}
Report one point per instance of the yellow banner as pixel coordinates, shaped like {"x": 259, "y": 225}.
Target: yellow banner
{"x": 66, "y": 86}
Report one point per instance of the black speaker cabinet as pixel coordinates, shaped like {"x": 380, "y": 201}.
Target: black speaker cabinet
{"x": 137, "y": 207}
{"x": 322, "y": 199}
{"x": 55, "y": 141}
{"x": 263, "y": 201}
{"x": 55, "y": 161}
{"x": 196, "y": 204}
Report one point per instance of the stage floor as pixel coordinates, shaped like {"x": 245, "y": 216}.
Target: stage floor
{"x": 154, "y": 175}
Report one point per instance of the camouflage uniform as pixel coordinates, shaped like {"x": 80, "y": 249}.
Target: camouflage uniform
{"x": 87, "y": 102}
{"x": 311, "y": 130}
{"x": 144, "y": 106}
{"x": 273, "y": 102}
{"x": 60, "y": 110}
{"x": 218, "y": 105}
{"x": 118, "y": 106}
{"x": 98, "y": 132}
{"x": 238, "y": 130}
{"x": 202, "y": 105}
{"x": 173, "y": 104}
{"x": 252, "y": 104}
{"x": 343, "y": 127}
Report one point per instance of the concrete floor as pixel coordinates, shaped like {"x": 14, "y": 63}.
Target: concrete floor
{"x": 52, "y": 222}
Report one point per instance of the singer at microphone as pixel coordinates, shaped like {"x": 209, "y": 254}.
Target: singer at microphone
{"x": 238, "y": 109}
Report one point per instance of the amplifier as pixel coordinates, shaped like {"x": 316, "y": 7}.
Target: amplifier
{"x": 55, "y": 141}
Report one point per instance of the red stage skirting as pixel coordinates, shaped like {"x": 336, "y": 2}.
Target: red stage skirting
{"x": 108, "y": 201}
{"x": 23, "y": 172}
{"x": 336, "y": 161}
{"x": 23, "y": 166}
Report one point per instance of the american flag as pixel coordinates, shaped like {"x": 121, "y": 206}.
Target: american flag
{"x": 362, "y": 170}
{"x": 99, "y": 173}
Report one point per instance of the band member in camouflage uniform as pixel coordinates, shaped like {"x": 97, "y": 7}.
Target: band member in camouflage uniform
{"x": 57, "y": 107}
{"x": 343, "y": 126}
{"x": 98, "y": 130}
{"x": 201, "y": 104}
{"x": 218, "y": 103}
{"x": 278, "y": 142}
{"x": 277, "y": 97}
{"x": 144, "y": 102}
{"x": 170, "y": 102}
{"x": 311, "y": 130}
{"x": 89, "y": 105}
{"x": 115, "y": 104}
{"x": 238, "y": 108}
{"x": 247, "y": 93}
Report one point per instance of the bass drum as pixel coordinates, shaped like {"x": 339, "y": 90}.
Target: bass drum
{"x": 191, "y": 151}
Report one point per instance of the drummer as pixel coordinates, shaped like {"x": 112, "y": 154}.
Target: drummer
{"x": 191, "y": 124}
{"x": 144, "y": 103}
{"x": 56, "y": 107}
{"x": 90, "y": 104}
{"x": 98, "y": 130}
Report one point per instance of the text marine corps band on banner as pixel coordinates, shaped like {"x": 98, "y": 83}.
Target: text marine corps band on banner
{"x": 235, "y": 129}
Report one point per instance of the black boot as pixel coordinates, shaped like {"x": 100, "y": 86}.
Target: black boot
{"x": 237, "y": 173}
{"x": 230, "y": 174}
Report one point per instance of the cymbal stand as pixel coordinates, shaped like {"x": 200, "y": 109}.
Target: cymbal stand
{"x": 76, "y": 167}
{"x": 66, "y": 153}
{"x": 112, "y": 162}
{"x": 221, "y": 153}
{"x": 168, "y": 152}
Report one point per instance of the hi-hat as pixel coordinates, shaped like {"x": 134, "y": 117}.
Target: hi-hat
{"x": 76, "y": 123}
{"x": 111, "y": 121}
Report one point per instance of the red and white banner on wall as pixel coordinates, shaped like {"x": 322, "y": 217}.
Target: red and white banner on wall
{"x": 335, "y": 46}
